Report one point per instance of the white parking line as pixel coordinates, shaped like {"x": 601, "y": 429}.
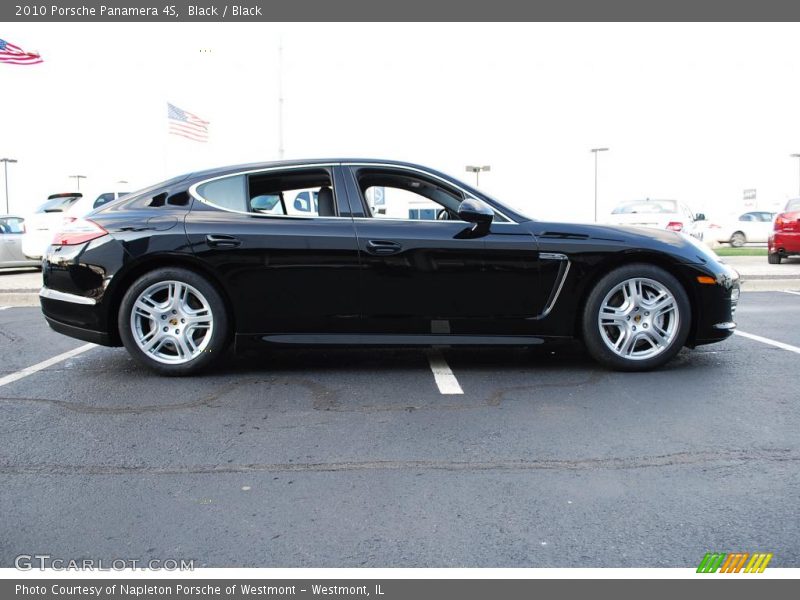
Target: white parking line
{"x": 44, "y": 364}
{"x": 768, "y": 341}
{"x": 791, "y": 292}
{"x": 4, "y": 307}
{"x": 445, "y": 380}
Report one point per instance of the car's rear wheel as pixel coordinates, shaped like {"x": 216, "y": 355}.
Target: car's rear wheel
{"x": 738, "y": 239}
{"x": 636, "y": 318}
{"x": 173, "y": 321}
{"x": 774, "y": 258}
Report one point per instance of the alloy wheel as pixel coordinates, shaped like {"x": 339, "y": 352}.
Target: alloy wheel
{"x": 172, "y": 322}
{"x": 638, "y": 319}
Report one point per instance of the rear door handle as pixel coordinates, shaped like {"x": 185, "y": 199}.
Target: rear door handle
{"x": 223, "y": 241}
{"x": 383, "y": 247}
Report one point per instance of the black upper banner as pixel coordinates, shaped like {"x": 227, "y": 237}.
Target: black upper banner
{"x": 407, "y": 10}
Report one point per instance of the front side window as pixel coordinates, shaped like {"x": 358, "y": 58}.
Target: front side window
{"x": 397, "y": 194}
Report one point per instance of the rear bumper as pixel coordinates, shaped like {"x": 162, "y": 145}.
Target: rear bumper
{"x": 88, "y": 335}
{"x": 785, "y": 243}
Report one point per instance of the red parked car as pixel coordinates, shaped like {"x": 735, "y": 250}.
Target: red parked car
{"x": 785, "y": 237}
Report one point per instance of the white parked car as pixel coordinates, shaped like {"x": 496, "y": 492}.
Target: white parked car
{"x": 750, "y": 227}
{"x": 657, "y": 214}
{"x": 12, "y": 228}
{"x": 46, "y": 220}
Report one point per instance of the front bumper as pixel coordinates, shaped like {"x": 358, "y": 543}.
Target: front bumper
{"x": 716, "y": 308}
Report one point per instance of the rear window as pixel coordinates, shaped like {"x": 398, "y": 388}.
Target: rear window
{"x": 647, "y": 207}
{"x": 107, "y": 197}
{"x": 58, "y": 203}
{"x": 793, "y": 205}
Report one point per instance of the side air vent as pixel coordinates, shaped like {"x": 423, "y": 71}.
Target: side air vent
{"x": 158, "y": 200}
{"x": 565, "y": 235}
{"x": 179, "y": 199}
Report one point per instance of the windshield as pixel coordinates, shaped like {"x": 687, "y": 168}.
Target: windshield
{"x": 646, "y": 207}
{"x": 58, "y": 203}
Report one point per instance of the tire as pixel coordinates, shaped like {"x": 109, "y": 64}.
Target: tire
{"x": 738, "y": 239}
{"x": 629, "y": 337}
{"x": 167, "y": 299}
{"x": 774, "y": 258}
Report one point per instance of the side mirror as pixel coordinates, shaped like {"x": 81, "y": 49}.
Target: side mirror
{"x": 700, "y": 217}
{"x": 475, "y": 211}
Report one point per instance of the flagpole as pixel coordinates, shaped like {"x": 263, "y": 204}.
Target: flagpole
{"x": 165, "y": 155}
{"x": 280, "y": 98}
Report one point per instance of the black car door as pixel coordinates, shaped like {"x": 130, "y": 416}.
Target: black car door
{"x": 290, "y": 266}
{"x": 423, "y": 275}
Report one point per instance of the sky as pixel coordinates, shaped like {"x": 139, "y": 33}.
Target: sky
{"x": 695, "y": 112}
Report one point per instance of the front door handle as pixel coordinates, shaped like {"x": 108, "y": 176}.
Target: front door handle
{"x": 223, "y": 241}
{"x": 383, "y": 247}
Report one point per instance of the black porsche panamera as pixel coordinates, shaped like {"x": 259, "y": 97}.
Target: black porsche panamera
{"x": 373, "y": 252}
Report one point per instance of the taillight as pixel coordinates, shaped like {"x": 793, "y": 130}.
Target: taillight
{"x": 780, "y": 221}
{"x": 675, "y": 226}
{"x": 77, "y": 231}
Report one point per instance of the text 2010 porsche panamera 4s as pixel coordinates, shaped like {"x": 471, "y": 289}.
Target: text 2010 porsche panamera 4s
{"x": 371, "y": 252}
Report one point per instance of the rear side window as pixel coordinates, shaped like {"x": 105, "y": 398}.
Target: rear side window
{"x": 228, "y": 192}
{"x": 295, "y": 192}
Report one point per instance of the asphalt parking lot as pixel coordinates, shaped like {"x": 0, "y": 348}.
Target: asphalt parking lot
{"x": 353, "y": 458}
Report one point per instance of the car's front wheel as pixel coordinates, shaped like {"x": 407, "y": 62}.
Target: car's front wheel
{"x": 636, "y": 318}
{"x": 173, "y": 321}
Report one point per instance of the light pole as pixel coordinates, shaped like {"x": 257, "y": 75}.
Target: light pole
{"x": 477, "y": 171}
{"x": 795, "y": 156}
{"x": 595, "y": 151}
{"x": 5, "y": 162}
{"x": 78, "y": 179}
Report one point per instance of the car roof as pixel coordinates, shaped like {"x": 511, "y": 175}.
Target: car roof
{"x": 307, "y": 161}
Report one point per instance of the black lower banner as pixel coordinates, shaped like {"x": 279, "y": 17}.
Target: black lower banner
{"x": 397, "y": 589}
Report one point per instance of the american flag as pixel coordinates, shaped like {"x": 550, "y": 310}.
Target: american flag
{"x": 182, "y": 122}
{"x": 14, "y": 55}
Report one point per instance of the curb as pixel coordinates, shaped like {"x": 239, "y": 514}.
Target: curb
{"x": 770, "y": 285}
{"x": 29, "y": 298}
